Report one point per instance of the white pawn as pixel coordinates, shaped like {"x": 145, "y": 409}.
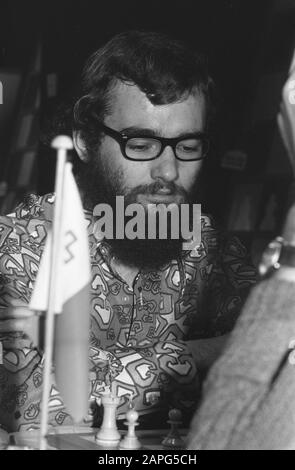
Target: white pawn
{"x": 130, "y": 441}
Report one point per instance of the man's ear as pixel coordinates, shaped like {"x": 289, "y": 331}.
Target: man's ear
{"x": 80, "y": 147}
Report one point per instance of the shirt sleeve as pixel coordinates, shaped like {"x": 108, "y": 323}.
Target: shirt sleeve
{"x": 229, "y": 284}
{"x": 157, "y": 377}
{"x": 21, "y": 368}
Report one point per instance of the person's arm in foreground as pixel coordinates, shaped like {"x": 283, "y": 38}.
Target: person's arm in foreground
{"x": 248, "y": 396}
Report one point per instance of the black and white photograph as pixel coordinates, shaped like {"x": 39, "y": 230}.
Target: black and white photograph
{"x": 147, "y": 227}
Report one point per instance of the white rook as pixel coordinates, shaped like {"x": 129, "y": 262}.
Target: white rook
{"x": 108, "y": 434}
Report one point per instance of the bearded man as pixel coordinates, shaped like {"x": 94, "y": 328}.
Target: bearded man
{"x": 160, "y": 314}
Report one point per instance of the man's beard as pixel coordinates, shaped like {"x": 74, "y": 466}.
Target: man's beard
{"x": 99, "y": 184}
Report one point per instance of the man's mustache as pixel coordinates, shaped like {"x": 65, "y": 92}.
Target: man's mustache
{"x": 154, "y": 188}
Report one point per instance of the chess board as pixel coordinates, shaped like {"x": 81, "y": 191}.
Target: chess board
{"x": 83, "y": 438}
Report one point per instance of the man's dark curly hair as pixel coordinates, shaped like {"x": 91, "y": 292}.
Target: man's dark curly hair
{"x": 165, "y": 69}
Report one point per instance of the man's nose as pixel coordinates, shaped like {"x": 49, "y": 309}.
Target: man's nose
{"x": 165, "y": 167}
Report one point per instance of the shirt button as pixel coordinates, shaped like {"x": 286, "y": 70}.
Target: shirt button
{"x": 125, "y": 299}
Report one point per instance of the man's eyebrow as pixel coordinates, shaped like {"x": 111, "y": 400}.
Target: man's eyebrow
{"x": 147, "y": 131}
{"x": 134, "y": 130}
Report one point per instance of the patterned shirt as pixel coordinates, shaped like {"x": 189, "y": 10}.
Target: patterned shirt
{"x": 138, "y": 335}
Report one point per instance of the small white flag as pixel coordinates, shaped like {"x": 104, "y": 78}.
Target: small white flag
{"x": 71, "y": 300}
{"x": 73, "y": 271}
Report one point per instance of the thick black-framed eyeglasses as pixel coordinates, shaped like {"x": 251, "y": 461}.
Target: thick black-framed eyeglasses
{"x": 189, "y": 148}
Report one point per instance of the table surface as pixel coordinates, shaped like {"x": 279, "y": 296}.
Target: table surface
{"x": 83, "y": 438}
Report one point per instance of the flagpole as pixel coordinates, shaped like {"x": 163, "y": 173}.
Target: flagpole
{"x": 62, "y": 144}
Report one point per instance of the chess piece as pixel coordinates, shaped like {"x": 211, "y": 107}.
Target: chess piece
{"x": 130, "y": 441}
{"x": 108, "y": 434}
{"x": 173, "y": 439}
